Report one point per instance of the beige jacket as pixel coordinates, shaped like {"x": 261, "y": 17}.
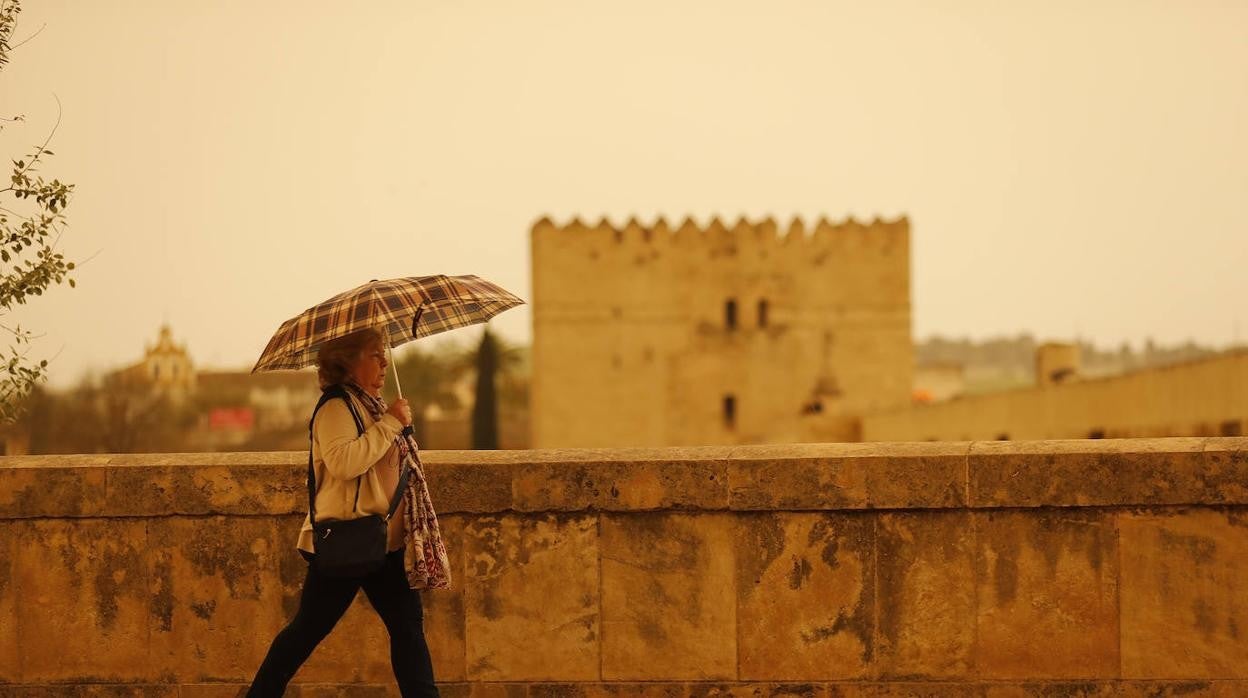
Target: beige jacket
{"x": 339, "y": 456}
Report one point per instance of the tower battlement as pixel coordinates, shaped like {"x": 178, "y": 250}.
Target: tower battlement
{"x": 765, "y": 231}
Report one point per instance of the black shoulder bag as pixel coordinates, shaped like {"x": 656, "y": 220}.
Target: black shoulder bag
{"x": 348, "y": 547}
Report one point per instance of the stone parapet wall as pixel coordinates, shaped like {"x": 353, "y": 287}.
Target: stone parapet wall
{"x": 1023, "y": 568}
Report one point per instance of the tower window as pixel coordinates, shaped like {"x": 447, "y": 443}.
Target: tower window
{"x": 730, "y": 411}
{"x": 730, "y": 314}
{"x": 762, "y": 313}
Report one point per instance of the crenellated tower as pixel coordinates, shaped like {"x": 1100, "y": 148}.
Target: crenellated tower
{"x": 744, "y": 332}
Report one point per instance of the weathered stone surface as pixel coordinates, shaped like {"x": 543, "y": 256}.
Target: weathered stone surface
{"x": 485, "y": 690}
{"x": 444, "y": 608}
{"x": 84, "y": 607}
{"x": 532, "y": 597}
{"x": 1047, "y": 590}
{"x": 603, "y": 690}
{"x": 218, "y": 690}
{"x": 621, "y": 486}
{"x": 213, "y": 597}
{"x": 756, "y": 690}
{"x": 1184, "y": 597}
{"x": 926, "y": 591}
{"x": 1182, "y": 689}
{"x": 469, "y": 487}
{"x": 160, "y": 490}
{"x": 1225, "y": 474}
{"x": 814, "y": 483}
{"x": 627, "y": 690}
{"x": 904, "y": 690}
{"x": 355, "y": 690}
{"x": 916, "y": 475}
{"x": 806, "y": 595}
{"x": 69, "y": 690}
{"x": 10, "y": 664}
{"x": 1073, "y": 689}
{"x": 847, "y": 689}
{"x": 668, "y": 597}
{"x": 52, "y": 491}
{"x": 1047, "y": 580}
{"x": 848, "y": 476}
{"x": 1089, "y": 473}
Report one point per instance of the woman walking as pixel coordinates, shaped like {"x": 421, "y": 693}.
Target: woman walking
{"x": 359, "y": 444}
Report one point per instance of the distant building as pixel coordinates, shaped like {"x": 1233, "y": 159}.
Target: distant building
{"x": 654, "y": 336}
{"x": 238, "y": 407}
{"x": 166, "y": 368}
{"x": 937, "y": 382}
{"x": 1201, "y": 397}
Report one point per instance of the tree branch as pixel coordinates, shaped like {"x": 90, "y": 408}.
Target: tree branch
{"x": 39, "y": 152}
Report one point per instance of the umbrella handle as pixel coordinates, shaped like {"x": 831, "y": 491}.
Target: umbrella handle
{"x": 408, "y": 430}
{"x": 397, "y": 385}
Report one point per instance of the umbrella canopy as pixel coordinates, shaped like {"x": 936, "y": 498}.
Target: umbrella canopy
{"x": 402, "y": 309}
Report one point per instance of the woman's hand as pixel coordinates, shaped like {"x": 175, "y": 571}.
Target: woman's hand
{"x": 401, "y": 411}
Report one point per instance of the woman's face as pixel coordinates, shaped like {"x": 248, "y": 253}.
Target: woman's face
{"x": 369, "y": 370}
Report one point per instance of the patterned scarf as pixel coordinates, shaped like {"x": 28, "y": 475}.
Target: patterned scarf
{"x": 424, "y": 557}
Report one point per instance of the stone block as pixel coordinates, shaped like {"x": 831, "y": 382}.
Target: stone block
{"x": 197, "y": 490}
{"x": 624, "y": 689}
{"x": 1184, "y": 600}
{"x": 485, "y": 690}
{"x": 214, "y": 690}
{"x": 469, "y": 487}
{"x": 84, "y": 610}
{"x": 355, "y": 690}
{"x": 904, "y": 689}
{"x": 214, "y": 596}
{"x": 74, "y": 690}
{"x": 668, "y": 597}
{"x": 1182, "y": 689}
{"x": 10, "y": 660}
{"x": 805, "y": 595}
{"x": 756, "y": 690}
{"x": 616, "y": 486}
{"x": 811, "y": 483}
{"x": 50, "y": 491}
{"x": 444, "y": 608}
{"x": 1089, "y": 473}
{"x": 1047, "y": 590}
{"x": 1225, "y": 473}
{"x": 531, "y": 597}
{"x": 915, "y": 475}
{"x": 1053, "y": 689}
{"x": 849, "y": 476}
{"x": 926, "y": 589}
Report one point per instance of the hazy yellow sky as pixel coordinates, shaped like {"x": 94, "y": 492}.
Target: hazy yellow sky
{"x": 1068, "y": 167}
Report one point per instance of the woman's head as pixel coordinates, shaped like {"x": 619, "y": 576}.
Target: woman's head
{"x": 359, "y": 356}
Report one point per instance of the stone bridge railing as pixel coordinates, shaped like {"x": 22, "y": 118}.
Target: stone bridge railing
{"x": 991, "y": 569}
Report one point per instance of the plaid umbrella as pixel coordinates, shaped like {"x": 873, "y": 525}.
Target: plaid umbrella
{"x": 402, "y": 309}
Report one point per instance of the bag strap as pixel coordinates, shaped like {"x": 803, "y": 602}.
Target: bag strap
{"x": 329, "y": 393}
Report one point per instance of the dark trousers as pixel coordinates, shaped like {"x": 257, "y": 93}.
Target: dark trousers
{"x": 323, "y": 602}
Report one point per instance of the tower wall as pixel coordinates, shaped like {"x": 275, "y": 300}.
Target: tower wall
{"x": 632, "y": 345}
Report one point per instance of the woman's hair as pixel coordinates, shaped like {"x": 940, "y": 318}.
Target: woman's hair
{"x": 337, "y": 356}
